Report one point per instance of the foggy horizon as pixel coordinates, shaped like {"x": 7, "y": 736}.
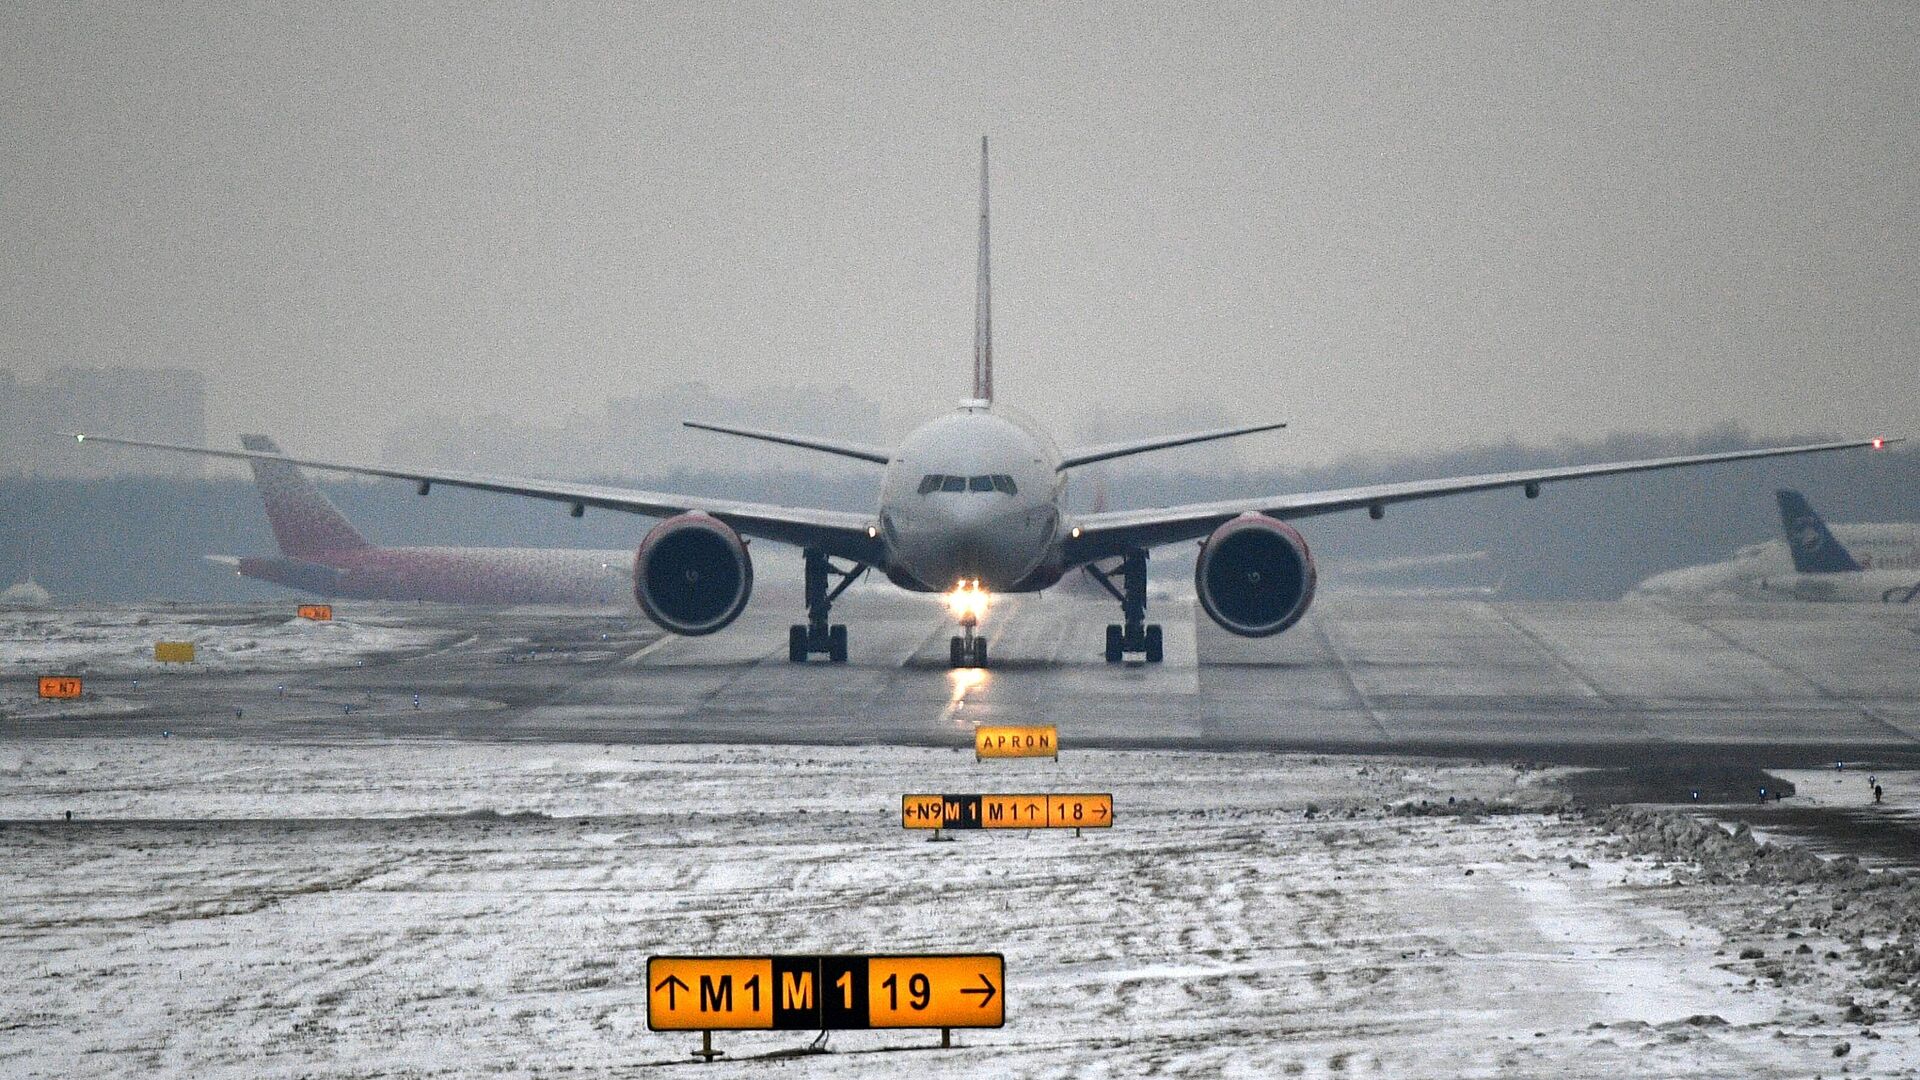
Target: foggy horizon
{"x": 1418, "y": 228}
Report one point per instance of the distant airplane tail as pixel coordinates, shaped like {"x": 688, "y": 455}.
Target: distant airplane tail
{"x": 305, "y": 522}
{"x": 1814, "y": 549}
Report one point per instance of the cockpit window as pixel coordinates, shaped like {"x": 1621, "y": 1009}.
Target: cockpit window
{"x": 1000, "y": 482}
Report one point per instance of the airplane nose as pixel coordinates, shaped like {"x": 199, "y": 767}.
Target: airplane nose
{"x": 969, "y": 538}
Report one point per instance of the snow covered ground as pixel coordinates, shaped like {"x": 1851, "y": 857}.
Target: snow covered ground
{"x": 119, "y": 641}
{"x": 234, "y": 908}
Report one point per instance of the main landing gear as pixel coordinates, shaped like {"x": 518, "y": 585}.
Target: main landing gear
{"x": 1136, "y": 636}
{"x": 817, "y": 635}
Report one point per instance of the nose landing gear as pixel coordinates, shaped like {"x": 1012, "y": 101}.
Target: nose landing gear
{"x": 817, "y": 635}
{"x": 967, "y": 602}
{"x": 967, "y": 649}
{"x": 1135, "y": 636}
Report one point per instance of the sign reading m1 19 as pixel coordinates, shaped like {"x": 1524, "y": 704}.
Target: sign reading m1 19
{"x": 825, "y": 993}
{"x": 1006, "y": 811}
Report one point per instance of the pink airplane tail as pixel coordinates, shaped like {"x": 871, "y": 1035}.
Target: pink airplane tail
{"x": 305, "y": 522}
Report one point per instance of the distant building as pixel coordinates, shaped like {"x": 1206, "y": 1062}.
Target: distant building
{"x": 164, "y": 404}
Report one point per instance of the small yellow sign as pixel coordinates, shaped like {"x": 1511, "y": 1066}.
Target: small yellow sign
{"x": 824, "y": 993}
{"x": 1012, "y": 742}
{"x": 1080, "y": 811}
{"x": 317, "y": 612}
{"x": 173, "y": 652}
{"x": 59, "y": 686}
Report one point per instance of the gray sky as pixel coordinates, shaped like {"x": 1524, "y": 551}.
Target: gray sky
{"x": 1418, "y": 226}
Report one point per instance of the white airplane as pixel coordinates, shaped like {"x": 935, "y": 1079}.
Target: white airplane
{"x": 1877, "y": 564}
{"x": 971, "y": 504}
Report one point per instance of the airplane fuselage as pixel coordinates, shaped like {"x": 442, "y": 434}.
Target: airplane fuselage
{"x": 560, "y": 576}
{"x": 974, "y": 495}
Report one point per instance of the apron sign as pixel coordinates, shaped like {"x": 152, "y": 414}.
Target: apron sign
{"x": 173, "y": 652}
{"x": 1006, "y": 811}
{"x": 1010, "y": 742}
{"x": 824, "y": 993}
{"x": 316, "y": 612}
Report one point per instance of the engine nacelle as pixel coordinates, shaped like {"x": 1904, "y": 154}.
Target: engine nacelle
{"x": 692, "y": 574}
{"x": 1255, "y": 576}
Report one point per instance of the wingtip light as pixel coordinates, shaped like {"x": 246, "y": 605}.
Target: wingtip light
{"x": 1879, "y": 443}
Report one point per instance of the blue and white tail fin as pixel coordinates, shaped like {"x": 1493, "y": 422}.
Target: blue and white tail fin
{"x": 1814, "y": 549}
{"x": 983, "y": 300}
{"x": 305, "y": 522}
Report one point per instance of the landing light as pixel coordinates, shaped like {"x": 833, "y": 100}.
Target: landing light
{"x": 1076, "y": 532}
{"x": 872, "y": 531}
{"x": 968, "y": 600}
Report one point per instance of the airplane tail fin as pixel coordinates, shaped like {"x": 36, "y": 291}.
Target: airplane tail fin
{"x": 305, "y": 522}
{"x": 983, "y": 300}
{"x": 1814, "y": 549}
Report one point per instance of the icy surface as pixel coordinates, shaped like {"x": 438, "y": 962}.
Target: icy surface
{"x": 228, "y": 908}
{"x": 241, "y": 638}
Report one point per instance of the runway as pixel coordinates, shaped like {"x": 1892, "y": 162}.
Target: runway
{"x": 1565, "y": 681}
{"x": 423, "y": 841}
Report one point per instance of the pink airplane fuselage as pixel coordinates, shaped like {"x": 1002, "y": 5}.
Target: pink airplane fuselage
{"x": 574, "y": 577}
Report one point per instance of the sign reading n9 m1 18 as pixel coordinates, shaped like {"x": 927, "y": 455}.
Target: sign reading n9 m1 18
{"x": 825, "y": 993}
{"x": 1087, "y": 811}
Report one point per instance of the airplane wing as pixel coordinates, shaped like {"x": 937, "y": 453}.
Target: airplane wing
{"x": 1097, "y": 536}
{"x": 1087, "y": 455}
{"x": 834, "y": 532}
{"x": 879, "y": 455}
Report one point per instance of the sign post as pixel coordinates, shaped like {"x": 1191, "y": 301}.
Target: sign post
{"x": 824, "y": 993}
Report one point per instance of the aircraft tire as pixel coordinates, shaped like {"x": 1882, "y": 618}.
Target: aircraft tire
{"x": 797, "y": 644}
{"x": 1155, "y": 650}
{"x": 956, "y": 652}
{"x": 837, "y": 644}
{"x": 1114, "y": 641}
{"x": 979, "y": 652}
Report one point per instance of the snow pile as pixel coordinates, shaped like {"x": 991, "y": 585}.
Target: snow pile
{"x": 1874, "y": 913}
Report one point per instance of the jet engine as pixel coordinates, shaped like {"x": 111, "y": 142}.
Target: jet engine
{"x": 692, "y": 574}
{"x": 1255, "y": 576}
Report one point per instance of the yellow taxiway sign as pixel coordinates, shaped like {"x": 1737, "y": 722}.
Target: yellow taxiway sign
{"x": 825, "y": 993}
{"x": 1077, "y": 811}
{"x": 1012, "y": 742}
